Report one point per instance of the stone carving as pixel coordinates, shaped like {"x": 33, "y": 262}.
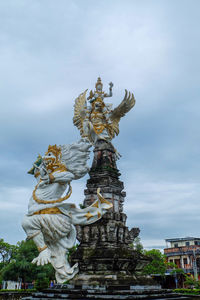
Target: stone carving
{"x": 51, "y": 221}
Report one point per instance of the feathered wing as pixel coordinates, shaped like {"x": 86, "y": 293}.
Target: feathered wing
{"x": 75, "y": 157}
{"x": 79, "y": 111}
{"x": 127, "y": 103}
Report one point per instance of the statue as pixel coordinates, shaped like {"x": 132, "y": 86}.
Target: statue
{"x": 98, "y": 120}
{"x": 51, "y": 220}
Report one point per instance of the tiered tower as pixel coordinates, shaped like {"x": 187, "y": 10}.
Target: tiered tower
{"x": 105, "y": 253}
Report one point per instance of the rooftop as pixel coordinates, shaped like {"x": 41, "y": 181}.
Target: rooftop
{"x": 189, "y": 238}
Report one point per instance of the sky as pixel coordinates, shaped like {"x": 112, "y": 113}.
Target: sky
{"x": 51, "y": 51}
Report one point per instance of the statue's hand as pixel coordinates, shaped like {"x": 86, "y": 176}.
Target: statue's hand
{"x": 111, "y": 85}
{"x": 43, "y": 258}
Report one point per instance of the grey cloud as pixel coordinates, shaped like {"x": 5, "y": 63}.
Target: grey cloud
{"x": 50, "y": 53}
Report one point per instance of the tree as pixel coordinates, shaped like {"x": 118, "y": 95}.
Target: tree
{"x": 158, "y": 263}
{"x": 7, "y": 251}
{"x": 191, "y": 282}
{"x": 21, "y": 267}
{"x": 137, "y": 245}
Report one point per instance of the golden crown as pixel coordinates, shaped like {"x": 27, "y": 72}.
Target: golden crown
{"x": 99, "y": 83}
{"x": 55, "y": 150}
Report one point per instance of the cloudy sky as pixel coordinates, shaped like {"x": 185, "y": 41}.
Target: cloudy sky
{"x": 51, "y": 51}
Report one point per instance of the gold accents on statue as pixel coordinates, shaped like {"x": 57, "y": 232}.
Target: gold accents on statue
{"x": 55, "y": 150}
{"x": 120, "y": 111}
{"x": 99, "y": 86}
{"x": 95, "y": 204}
{"x": 37, "y": 174}
{"x": 56, "y": 167}
{"x": 33, "y": 235}
{"x": 42, "y": 249}
{"x": 99, "y": 215}
{"x": 72, "y": 206}
{"x": 79, "y": 107}
{"x": 102, "y": 199}
{"x": 99, "y": 117}
{"x": 40, "y": 201}
{"x": 48, "y": 211}
{"x": 89, "y": 215}
{"x": 51, "y": 178}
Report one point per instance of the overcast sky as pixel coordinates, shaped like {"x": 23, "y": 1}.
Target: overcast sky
{"x": 51, "y": 51}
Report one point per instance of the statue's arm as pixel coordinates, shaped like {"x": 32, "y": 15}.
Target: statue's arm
{"x": 61, "y": 177}
{"x": 57, "y": 177}
{"x": 110, "y": 90}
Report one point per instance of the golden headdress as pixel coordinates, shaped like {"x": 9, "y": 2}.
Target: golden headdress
{"x": 55, "y": 150}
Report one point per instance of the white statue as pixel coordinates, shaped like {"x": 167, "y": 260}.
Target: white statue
{"x": 98, "y": 120}
{"x": 50, "y": 220}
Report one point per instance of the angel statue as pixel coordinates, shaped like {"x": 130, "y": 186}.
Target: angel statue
{"x": 97, "y": 120}
{"x": 51, "y": 220}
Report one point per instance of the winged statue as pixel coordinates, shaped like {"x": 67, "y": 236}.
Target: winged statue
{"x": 98, "y": 120}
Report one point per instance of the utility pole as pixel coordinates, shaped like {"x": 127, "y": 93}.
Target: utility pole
{"x": 195, "y": 265}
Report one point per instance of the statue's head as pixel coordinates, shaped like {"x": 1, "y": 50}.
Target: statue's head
{"x": 98, "y": 92}
{"x": 99, "y": 86}
{"x": 53, "y": 155}
{"x": 98, "y": 104}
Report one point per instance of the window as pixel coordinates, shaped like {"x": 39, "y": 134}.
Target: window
{"x": 196, "y": 243}
{"x": 185, "y": 261}
{"x": 198, "y": 262}
{"x": 187, "y": 243}
{"x": 176, "y": 245}
{"x": 178, "y": 262}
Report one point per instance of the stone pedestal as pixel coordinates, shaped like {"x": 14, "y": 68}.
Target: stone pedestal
{"x": 105, "y": 253}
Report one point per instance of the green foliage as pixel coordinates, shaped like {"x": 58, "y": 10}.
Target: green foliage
{"x": 72, "y": 250}
{"x": 81, "y": 206}
{"x": 191, "y": 282}
{"x": 42, "y": 283}
{"x": 158, "y": 263}
{"x": 21, "y": 267}
{"x": 137, "y": 245}
{"x": 175, "y": 270}
{"x": 7, "y": 252}
{"x": 187, "y": 291}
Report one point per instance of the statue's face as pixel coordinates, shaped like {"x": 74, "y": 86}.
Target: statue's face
{"x": 49, "y": 158}
{"x": 98, "y": 106}
{"x": 99, "y": 88}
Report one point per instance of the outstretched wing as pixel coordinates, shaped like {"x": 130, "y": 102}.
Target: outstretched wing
{"x": 127, "y": 103}
{"x": 75, "y": 157}
{"x": 79, "y": 111}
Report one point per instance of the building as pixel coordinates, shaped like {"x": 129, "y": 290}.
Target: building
{"x": 185, "y": 253}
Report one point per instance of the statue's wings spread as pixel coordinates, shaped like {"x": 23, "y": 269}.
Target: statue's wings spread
{"x": 124, "y": 107}
{"x": 79, "y": 108}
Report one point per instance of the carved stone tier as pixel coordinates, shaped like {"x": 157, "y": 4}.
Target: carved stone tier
{"x": 110, "y": 231}
{"x": 105, "y": 252}
{"x": 104, "y": 174}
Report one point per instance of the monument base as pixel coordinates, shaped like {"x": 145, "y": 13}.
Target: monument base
{"x": 109, "y": 266}
{"x": 95, "y": 292}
